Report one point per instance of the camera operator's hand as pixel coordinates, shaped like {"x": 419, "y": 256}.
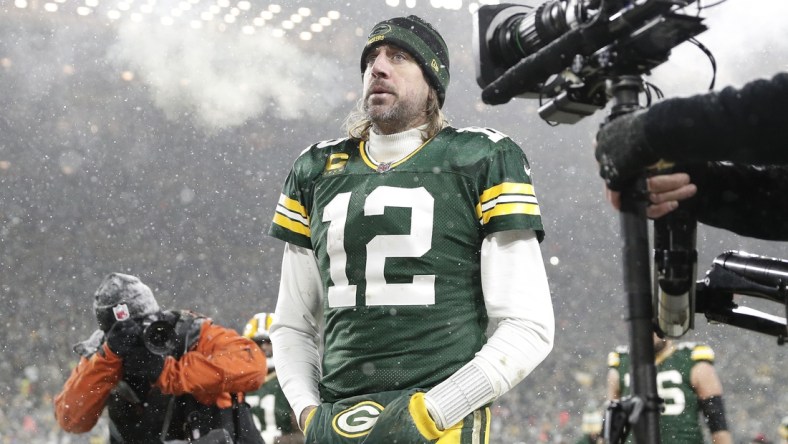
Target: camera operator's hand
{"x": 665, "y": 191}
{"x": 622, "y": 150}
{"x": 124, "y": 336}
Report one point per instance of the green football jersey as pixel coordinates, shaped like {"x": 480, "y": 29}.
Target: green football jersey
{"x": 679, "y": 422}
{"x": 272, "y": 413}
{"x": 398, "y": 249}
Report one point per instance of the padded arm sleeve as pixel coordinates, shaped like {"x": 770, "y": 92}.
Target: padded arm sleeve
{"x": 714, "y": 410}
{"x": 515, "y": 288}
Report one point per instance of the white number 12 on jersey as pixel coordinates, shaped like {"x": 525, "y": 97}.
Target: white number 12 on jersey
{"x": 415, "y": 244}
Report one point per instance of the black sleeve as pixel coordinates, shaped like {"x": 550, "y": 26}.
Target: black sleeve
{"x": 747, "y": 125}
{"x": 714, "y": 410}
{"x": 745, "y": 199}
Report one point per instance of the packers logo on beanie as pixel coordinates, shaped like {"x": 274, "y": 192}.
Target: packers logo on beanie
{"x": 421, "y": 40}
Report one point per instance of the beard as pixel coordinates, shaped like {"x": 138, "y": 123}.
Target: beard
{"x": 401, "y": 114}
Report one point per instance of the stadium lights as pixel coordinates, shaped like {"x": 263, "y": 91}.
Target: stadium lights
{"x": 242, "y": 16}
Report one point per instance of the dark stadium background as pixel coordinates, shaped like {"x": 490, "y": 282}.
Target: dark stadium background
{"x": 158, "y": 149}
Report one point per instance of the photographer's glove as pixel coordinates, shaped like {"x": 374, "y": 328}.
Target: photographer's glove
{"x": 140, "y": 363}
{"x": 125, "y": 340}
{"x": 622, "y": 150}
{"x": 406, "y": 420}
{"x": 123, "y": 337}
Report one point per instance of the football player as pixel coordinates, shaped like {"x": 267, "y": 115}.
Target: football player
{"x": 272, "y": 413}
{"x": 687, "y": 383}
{"x": 402, "y": 241}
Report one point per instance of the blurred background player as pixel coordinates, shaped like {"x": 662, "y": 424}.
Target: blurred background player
{"x": 272, "y": 413}
{"x": 687, "y": 383}
{"x": 784, "y": 430}
{"x": 591, "y": 428}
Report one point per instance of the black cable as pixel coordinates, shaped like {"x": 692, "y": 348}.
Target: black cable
{"x": 711, "y": 58}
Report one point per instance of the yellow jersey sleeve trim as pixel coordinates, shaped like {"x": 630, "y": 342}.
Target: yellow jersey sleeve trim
{"x": 292, "y": 205}
{"x": 507, "y": 188}
{"x": 613, "y": 359}
{"x": 702, "y": 353}
{"x": 510, "y": 208}
{"x": 291, "y": 225}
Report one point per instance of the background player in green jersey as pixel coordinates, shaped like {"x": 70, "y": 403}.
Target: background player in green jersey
{"x": 273, "y": 415}
{"x": 591, "y": 428}
{"x": 688, "y": 384}
{"x": 402, "y": 241}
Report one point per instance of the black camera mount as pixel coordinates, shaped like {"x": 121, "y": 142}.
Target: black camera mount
{"x": 565, "y": 52}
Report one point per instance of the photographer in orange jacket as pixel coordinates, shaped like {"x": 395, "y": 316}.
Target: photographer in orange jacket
{"x": 164, "y": 376}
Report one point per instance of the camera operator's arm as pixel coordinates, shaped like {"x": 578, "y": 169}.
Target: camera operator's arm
{"x": 742, "y": 125}
{"x": 745, "y": 199}
{"x": 80, "y": 403}
{"x": 221, "y": 362}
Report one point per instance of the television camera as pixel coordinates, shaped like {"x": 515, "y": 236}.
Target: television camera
{"x": 573, "y": 54}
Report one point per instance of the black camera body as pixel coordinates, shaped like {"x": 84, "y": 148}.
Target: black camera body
{"x": 159, "y": 333}
{"x": 564, "y": 52}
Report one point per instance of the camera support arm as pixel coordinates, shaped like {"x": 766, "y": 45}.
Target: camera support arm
{"x": 637, "y": 282}
{"x": 740, "y": 273}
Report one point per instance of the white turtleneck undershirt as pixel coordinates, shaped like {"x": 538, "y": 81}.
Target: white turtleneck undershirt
{"x": 390, "y": 148}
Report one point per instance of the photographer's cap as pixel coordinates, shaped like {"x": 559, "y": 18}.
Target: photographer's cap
{"x": 120, "y": 297}
{"x": 421, "y": 40}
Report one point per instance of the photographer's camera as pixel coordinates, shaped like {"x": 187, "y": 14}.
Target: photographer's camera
{"x": 159, "y": 335}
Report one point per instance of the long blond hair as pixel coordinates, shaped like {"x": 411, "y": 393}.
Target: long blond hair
{"x": 357, "y": 124}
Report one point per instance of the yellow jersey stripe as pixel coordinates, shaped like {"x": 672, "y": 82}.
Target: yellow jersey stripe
{"x": 702, "y": 353}
{"x": 508, "y": 209}
{"x": 292, "y": 205}
{"x": 613, "y": 359}
{"x": 506, "y": 188}
{"x": 290, "y": 224}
